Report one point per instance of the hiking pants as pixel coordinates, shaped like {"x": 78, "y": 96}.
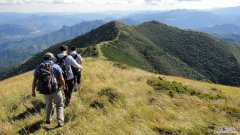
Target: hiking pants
{"x": 58, "y": 100}
{"x": 77, "y": 77}
{"x": 70, "y": 87}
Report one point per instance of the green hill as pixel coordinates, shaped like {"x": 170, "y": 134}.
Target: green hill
{"x": 158, "y": 48}
{"x": 117, "y": 99}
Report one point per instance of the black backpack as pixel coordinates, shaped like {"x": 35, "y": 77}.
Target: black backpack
{"x": 74, "y": 70}
{"x": 60, "y": 62}
{"x": 47, "y": 82}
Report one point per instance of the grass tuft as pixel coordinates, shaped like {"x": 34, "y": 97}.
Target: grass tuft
{"x": 110, "y": 93}
{"x": 97, "y": 104}
{"x": 232, "y": 111}
{"x": 178, "y": 88}
{"x": 162, "y": 131}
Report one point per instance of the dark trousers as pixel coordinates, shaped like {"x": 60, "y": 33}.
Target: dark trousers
{"x": 70, "y": 86}
{"x": 77, "y": 77}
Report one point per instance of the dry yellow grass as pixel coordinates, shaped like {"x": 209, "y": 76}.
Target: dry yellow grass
{"x": 139, "y": 109}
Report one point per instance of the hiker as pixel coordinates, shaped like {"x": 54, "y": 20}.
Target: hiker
{"x": 76, "y": 71}
{"x": 65, "y": 62}
{"x": 48, "y": 80}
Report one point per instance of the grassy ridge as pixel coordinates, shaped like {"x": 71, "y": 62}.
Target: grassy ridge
{"x": 157, "y": 48}
{"x": 120, "y": 100}
{"x": 168, "y": 50}
{"x": 134, "y": 49}
{"x": 203, "y": 53}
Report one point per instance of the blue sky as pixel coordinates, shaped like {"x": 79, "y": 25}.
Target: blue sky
{"x": 105, "y": 5}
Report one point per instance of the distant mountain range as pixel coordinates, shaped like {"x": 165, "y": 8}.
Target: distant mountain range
{"x": 180, "y": 18}
{"x": 49, "y": 22}
{"x": 10, "y": 29}
{"x": 230, "y": 38}
{"x": 229, "y": 33}
{"x": 186, "y": 19}
{"x": 224, "y": 29}
{"x": 229, "y": 11}
{"x": 156, "y": 47}
{"x": 17, "y": 51}
{"x": 40, "y": 30}
{"x": 11, "y": 32}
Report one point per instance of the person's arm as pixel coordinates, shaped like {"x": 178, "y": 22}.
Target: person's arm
{"x": 60, "y": 76}
{"x": 62, "y": 81}
{"x": 80, "y": 60}
{"x": 74, "y": 63}
{"x": 34, "y": 86}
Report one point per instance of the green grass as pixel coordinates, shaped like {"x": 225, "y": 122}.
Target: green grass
{"x": 173, "y": 88}
{"x": 115, "y": 100}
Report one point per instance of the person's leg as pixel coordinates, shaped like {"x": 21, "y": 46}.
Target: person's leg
{"x": 66, "y": 90}
{"x": 70, "y": 84}
{"x": 58, "y": 100}
{"x": 79, "y": 74}
{"x": 49, "y": 107}
{"x": 75, "y": 81}
{"x": 68, "y": 93}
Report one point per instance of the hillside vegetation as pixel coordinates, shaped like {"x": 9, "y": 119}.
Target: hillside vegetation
{"x": 157, "y": 48}
{"x": 168, "y": 50}
{"x": 118, "y": 99}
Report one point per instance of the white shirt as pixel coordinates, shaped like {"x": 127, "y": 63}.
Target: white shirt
{"x": 69, "y": 61}
{"x": 79, "y": 57}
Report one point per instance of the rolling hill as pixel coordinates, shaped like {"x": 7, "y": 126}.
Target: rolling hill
{"x": 15, "y": 52}
{"x": 156, "y": 47}
{"x": 118, "y": 99}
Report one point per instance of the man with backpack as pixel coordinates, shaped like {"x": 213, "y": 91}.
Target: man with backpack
{"x": 76, "y": 71}
{"x": 65, "y": 62}
{"x": 48, "y": 80}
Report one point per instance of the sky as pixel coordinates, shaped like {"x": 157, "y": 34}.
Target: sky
{"x": 30, "y": 6}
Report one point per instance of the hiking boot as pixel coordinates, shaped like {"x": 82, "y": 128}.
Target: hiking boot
{"x": 67, "y": 102}
{"x": 48, "y": 122}
{"x": 75, "y": 87}
{"x": 60, "y": 124}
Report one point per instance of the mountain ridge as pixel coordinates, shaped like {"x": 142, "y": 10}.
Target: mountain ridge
{"x": 157, "y": 47}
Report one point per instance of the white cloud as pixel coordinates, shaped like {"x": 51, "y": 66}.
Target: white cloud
{"x": 103, "y": 5}
{"x": 66, "y": 1}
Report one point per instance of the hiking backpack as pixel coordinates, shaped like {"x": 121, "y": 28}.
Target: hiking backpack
{"x": 61, "y": 63}
{"x": 47, "y": 82}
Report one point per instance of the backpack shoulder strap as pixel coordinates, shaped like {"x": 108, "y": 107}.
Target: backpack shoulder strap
{"x": 57, "y": 57}
{"x": 52, "y": 71}
{"x": 75, "y": 56}
{"x": 65, "y": 57}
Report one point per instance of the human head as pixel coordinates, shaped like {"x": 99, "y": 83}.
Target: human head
{"x": 63, "y": 48}
{"x": 49, "y": 56}
{"x": 73, "y": 48}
